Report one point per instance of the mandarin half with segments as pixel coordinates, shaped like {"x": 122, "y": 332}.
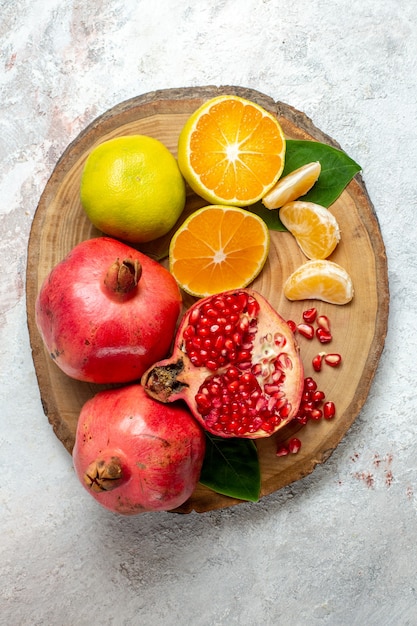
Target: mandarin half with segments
{"x": 231, "y": 151}
{"x": 218, "y": 248}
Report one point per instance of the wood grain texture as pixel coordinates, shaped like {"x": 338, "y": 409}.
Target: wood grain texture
{"x": 359, "y": 327}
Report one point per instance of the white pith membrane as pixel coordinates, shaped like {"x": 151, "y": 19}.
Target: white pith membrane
{"x": 250, "y": 374}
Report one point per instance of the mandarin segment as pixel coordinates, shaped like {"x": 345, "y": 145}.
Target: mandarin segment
{"x": 293, "y": 185}
{"x": 320, "y": 280}
{"x": 314, "y": 227}
{"x": 218, "y": 248}
{"x": 231, "y": 151}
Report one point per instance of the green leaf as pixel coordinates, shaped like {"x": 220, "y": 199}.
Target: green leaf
{"x": 337, "y": 168}
{"x": 270, "y": 217}
{"x": 231, "y": 467}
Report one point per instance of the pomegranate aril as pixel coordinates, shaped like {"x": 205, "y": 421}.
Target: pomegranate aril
{"x": 317, "y": 362}
{"x": 292, "y": 325}
{"x": 307, "y": 407}
{"x": 232, "y": 373}
{"x": 189, "y": 332}
{"x": 253, "y": 307}
{"x": 316, "y": 414}
{"x": 310, "y": 383}
{"x": 323, "y": 335}
{"x": 294, "y": 445}
{"x": 286, "y": 410}
{"x": 203, "y": 402}
{"x": 282, "y": 451}
{"x": 329, "y": 410}
{"x": 194, "y": 316}
{"x": 271, "y": 389}
{"x": 318, "y": 396}
{"x": 310, "y": 315}
{"x": 333, "y": 359}
{"x": 306, "y": 330}
{"x": 323, "y": 322}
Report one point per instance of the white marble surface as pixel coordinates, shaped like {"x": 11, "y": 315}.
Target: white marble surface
{"x": 337, "y": 548}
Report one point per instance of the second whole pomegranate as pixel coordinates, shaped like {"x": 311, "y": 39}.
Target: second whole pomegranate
{"x": 106, "y": 312}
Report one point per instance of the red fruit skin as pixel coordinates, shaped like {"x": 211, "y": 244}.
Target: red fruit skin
{"x": 93, "y": 333}
{"x": 160, "y": 449}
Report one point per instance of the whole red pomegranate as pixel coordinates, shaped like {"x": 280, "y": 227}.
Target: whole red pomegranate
{"x": 107, "y": 312}
{"x": 235, "y": 363}
{"x": 134, "y": 454}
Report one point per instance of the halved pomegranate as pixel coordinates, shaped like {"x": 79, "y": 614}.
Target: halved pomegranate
{"x": 235, "y": 363}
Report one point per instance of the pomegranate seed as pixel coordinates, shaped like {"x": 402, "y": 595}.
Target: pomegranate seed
{"x": 292, "y": 325}
{"x": 329, "y": 410}
{"x": 323, "y": 322}
{"x": 333, "y": 359}
{"x": 294, "y": 445}
{"x": 306, "y": 330}
{"x": 310, "y": 383}
{"x": 310, "y": 315}
{"x": 316, "y": 414}
{"x": 282, "y": 451}
{"x": 318, "y": 396}
{"x": 323, "y": 335}
{"x": 317, "y": 361}
{"x": 194, "y": 316}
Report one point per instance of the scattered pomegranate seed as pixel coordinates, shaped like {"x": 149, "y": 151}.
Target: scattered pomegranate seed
{"x": 311, "y": 403}
{"x": 316, "y": 414}
{"x": 323, "y": 322}
{"x": 294, "y": 445}
{"x": 333, "y": 359}
{"x": 310, "y": 315}
{"x": 292, "y": 325}
{"x": 317, "y": 362}
{"x": 323, "y": 335}
{"x": 310, "y": 384}
{"x": 306, "y": 330}
{"x": 282, "y": 451}
{"x": 318, "y": 396}
{"x": 329, "y": 410}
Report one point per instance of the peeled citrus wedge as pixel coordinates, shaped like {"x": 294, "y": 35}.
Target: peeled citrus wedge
{"x": 218, "y": 248}
{"x": 292, "y": 186}
{"x": 320, "y": 280}
{"x": 314, "y": 227}
{"x": 231, "y": 151}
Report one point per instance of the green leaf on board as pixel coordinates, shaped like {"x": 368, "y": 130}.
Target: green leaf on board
{"x": 231, "y": 467}
{"x": 337, "y": 170}
{"x": 270, "y": 217}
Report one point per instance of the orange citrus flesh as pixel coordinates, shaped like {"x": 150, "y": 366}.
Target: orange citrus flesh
{"x": 218, "y": 248}
{"x": 314, "y": 227}
{"x": 231, "y": 151}
{"x": 292, "y": 186}
{"x": 320, "y": 280}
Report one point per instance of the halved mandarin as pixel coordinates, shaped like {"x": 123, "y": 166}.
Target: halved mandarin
{"x": 320, "y": 280}
{"x": 292, "y": 186}
{"x": 314, "y": 227}
{"x": 231, "y": 151}
{"x": 218, "y": 248}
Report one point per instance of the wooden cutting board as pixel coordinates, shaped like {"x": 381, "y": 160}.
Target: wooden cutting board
{"x": 359, "y": 328}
